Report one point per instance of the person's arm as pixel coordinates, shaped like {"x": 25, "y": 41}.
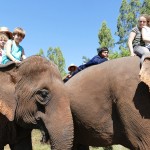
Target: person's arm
{"x": 8, "y": 51}
{"x": 96, "y": 60}
{"x": 99, "y": 61}
{"x": 130, "y": 45}
{"x": 23, "y": 54}
{"x": 145, "y": 36}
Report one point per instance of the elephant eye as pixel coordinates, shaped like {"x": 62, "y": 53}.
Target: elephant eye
{"x": 43, "y": 96}
{"x": 43, "y": 93}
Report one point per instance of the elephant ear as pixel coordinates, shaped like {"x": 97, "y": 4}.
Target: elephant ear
{"x": 7, "y": 96}
{"x": 145, "y": 71}
{"x": 6, "y": 109}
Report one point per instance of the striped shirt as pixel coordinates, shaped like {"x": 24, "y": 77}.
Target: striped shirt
{"x": 138, "y": 37}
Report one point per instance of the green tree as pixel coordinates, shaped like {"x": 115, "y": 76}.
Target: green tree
{"x": 41, "y": 52}
{"x": 105, "y": 37}
{"x": 114, "y": 55}
{"x": 55, "y": 55}
{"x": 134, "y": 12}
{"x": 129, "y": 12}
{"x": 145, "y": 9}
{"x": 122, "y": 24}
{"x": 85, "y": 59}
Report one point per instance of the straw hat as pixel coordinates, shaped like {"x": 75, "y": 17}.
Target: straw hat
{"x": 6, "y": 31}
{"x": 72, "y": 65}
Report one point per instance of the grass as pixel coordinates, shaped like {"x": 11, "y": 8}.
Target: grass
{"x": 36, "y": 137}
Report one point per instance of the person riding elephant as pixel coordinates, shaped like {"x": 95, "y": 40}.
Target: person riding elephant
{"x": 27, "y": 89}
{"x": 72, "y": 68}
{"x": 136, "y": 42}
{"x": 98, "y": 59}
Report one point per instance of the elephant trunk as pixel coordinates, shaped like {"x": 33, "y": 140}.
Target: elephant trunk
{"x": 59, "y": 123}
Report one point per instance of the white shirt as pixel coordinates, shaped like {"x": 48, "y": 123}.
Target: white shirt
{"x": 146, "y": 34}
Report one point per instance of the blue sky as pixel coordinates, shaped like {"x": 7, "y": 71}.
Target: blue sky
{"x": 72, "y": 25}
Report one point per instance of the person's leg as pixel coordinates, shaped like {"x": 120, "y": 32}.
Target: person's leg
{"x": 142, "y": 52}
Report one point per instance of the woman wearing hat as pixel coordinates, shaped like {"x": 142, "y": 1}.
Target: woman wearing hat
{"x": 6, "y": 31}
{"x": 72, "y": 68}
{"x": 5, "y": 34}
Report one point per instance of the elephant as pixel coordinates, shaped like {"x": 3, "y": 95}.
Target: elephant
{"x": 28, "y": 88}
{"x": 110, "y": 104}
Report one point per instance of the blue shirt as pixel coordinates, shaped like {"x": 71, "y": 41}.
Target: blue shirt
{"x": 94, "y": 61}
{"x": 16, "y": 52}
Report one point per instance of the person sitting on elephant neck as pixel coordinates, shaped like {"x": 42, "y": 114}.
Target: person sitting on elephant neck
{"x": 14, "y": 51}
{"x": 72, "y": 68}
{"x": 5, "y": 35}
{"x": 136, "y": 40}
{"x": 98, "y": 59}
{"x": 3, "y": 39}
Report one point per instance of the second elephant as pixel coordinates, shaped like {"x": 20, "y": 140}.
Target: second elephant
{"x": 110, "y": 105}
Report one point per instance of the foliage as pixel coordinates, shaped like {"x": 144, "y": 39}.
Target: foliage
{"x": 145, "y": 7}
{"x": 55, "y": 55}
{"x": 127, "y": 19}
{"x": 133, "y": 14}
{"x": 105, "y": 36}
{"x": 41, "y": 53}
{"x": 85, "y": 59}
{"x": 122, "y": 23}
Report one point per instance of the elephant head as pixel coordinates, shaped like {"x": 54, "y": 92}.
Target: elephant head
{"x": 33, "y": 87}
{"x": 145, "y": 71}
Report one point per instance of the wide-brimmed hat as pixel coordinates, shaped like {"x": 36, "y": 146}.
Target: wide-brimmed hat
{"x": 72, "y": 65}
{"x": 6, "y": 31}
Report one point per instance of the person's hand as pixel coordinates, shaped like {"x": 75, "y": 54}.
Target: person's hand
{"x": 17, "y": 61}
{"x": 69, "y": 76}
{"x": 133, "y": 54}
